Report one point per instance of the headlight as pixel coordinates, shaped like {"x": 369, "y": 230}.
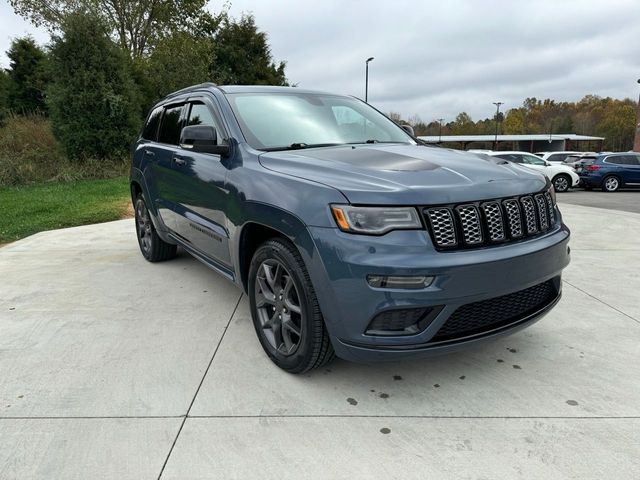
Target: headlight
{"x": 375, "y": 220}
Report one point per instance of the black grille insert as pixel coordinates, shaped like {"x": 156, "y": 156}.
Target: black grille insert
{"x": 477, "y": 224}
{"x": 478, "y": 317}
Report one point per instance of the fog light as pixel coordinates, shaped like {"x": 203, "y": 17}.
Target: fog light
{"x": 402, "y": 282}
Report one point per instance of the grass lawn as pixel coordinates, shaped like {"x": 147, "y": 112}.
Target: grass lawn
{"x": 34, "y": 208}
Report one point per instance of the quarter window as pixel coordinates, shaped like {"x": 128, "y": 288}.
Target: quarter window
{"x": 170, "y": 126}
{"x": 151, "y": 128}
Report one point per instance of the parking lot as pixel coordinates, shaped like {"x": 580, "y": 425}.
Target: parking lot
{"x": 112, "y": 367}
{"x": 626, "y": 200}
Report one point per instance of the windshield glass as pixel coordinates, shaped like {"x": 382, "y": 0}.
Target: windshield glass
{"x": 274, "y": 121}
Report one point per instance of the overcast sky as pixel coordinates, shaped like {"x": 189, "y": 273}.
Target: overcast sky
{"x": 435, "y": 59}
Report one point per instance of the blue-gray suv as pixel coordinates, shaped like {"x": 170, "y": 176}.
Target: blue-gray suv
{"x": 349, "y": 236}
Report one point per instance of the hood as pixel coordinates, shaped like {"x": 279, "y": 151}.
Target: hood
{"x": 406, "y": 174}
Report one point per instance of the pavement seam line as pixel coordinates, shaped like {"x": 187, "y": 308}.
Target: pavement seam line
{"x": 184, "y": 420}
{"x": 426, "y": 417}
{"x": 602, "y": 302}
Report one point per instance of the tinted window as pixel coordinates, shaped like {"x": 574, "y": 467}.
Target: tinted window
{"x": 633, "y": 159}
{"x": 617, "y": 160}
{"x": 151, "y": 128}
{"x": 511, "y": 157}
{"x": 557, "y": 157}
{"x": 170, "y": 126}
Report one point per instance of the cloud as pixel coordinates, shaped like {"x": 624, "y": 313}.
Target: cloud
{"x": 436, "y": 59}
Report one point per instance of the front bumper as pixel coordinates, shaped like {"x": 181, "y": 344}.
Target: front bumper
{"x": 348, "y": 303}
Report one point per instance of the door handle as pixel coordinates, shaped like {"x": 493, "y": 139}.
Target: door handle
{"x": 150, "y": 153}
{"x": 179, "y": 161}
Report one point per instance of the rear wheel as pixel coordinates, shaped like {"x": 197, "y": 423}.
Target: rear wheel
{"x": 610, "y": 184}
{"x": 285, "y": 310}
{"x": 561, "y": 182}
{"x": 153, "y": 248}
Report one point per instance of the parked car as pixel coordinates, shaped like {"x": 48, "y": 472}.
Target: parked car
{"x": 562, "y": 177}
{"x": 556, "y": 157}
{"x": 346, "y": 234}
{"x": 611, "y": 171}
{"x": 577, "y": 159}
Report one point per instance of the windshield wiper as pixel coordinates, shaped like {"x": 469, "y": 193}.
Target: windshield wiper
{"x": 300, "y": 146}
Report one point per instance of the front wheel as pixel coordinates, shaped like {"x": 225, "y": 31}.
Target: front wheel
{"x": 610, "y": 184}
{"x": 153, "y": 248}
{"x": 561, "y": 182}
{"x": 285, "y": 310}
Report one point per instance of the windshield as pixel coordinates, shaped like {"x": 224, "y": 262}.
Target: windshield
{"x": 280, "y": 121}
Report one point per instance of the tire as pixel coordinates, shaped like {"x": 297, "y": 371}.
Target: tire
{"x": 610, "y": 183}
{"x": 279, "y": 284}
{"x": 153, "y": 248}
{"x": 561, "y": 183}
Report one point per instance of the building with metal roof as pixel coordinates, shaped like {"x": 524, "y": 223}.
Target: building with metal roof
{"x": 528, "y": 143}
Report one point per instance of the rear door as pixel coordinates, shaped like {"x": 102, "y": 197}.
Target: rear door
{"x": 160, "y": 156}
{"x": 199, "y": 194}
{"x": 631, "y": 169}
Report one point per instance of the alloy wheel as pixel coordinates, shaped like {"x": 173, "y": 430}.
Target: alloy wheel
{"x": 143, "y": 224}
{"x": 561, "y": 184}
{"x": 611, "y": 184}
{"x": 278, "y": 307}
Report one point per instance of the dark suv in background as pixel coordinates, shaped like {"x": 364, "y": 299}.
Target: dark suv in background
{"x": 347, "y": 235}
{"x": 610, "y": 171}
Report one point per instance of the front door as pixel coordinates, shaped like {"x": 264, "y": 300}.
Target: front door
{"x": 200, "y": 198}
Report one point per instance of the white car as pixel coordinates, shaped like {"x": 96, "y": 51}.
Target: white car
{"x": 556, "y": 157}
{"x": 563, "y": 177}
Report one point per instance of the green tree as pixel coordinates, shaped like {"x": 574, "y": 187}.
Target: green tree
{"x": 463, "y": 125}
{"x": 137, "y": 25}
{"x": 92, "y": 99}
{"x": 243, "y": 57}
{"x": 178, "y": 61}
{"x": 5, "y": 81}
{"x": 27, "y": 76}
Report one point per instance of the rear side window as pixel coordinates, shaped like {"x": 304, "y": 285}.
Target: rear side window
{"x": 634, "y": 160}
{"x": 150, "y": 129}
{"x": 557, "y": 157}
{"x": 618, "y": 160}
{"x": 511, "y": 157}
{"x": 170, "y": 126}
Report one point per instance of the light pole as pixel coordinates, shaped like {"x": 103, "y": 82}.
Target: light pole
{"x": 636, "y": 140}
{"x": 366, "y": 80}
{"x": 495, "y": 139}
{"x": 440, "y": 134}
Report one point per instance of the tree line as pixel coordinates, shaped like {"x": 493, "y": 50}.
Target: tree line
{"x": 109, "y": 61}
{"x": 592, "y": 115}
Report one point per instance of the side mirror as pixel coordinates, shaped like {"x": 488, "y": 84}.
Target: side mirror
{"x": 408, "y": 129}
{"x": 203, "y": 139}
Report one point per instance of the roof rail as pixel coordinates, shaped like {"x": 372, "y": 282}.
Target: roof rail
{"x": 191, "y": 88}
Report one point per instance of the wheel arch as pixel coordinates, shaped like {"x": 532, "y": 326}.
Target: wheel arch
{"x": 263, "y": 222}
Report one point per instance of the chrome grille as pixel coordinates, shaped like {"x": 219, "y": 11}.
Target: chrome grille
{"x": 529, "y": 215}
{"x": 514, "y": 217}
{"x": 476, "y": 224}
{"x": 470, "y": 223}
{"x": 493, "y": 215}
{"x": 442, "y": 227}
{"x": 542, "y": 211}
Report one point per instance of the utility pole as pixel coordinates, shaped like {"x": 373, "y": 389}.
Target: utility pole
{"x": 636, "y": 140}
{"x": 495, "y": 139}
{"x": 366, "y": 80}
{"x": 440, "y": 134}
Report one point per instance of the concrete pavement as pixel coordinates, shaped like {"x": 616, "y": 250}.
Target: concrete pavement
{"x": 111, "y": 367}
